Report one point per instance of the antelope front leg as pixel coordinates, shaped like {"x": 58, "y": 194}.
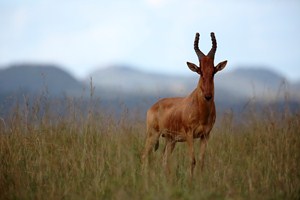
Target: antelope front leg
{"x": 190, "y": 144}
{"x": 203, "y": 144}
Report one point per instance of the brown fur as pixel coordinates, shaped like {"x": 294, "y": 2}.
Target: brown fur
{"x": 183, "y": 119}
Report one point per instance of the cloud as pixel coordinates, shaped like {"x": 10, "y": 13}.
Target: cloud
{"x": 157, "y": 3}
{"x": 154, "y": 34}
{"x": 94, "y": 37}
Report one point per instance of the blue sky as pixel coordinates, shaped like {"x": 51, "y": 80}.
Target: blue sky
{"x": 152, "y": 35}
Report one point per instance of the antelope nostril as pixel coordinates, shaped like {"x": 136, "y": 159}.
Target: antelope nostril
{"x": 208, "y": 97}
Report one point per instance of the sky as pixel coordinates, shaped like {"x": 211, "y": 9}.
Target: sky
{"x": 150, "y": 35}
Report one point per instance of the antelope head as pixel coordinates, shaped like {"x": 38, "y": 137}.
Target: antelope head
{"x": 206, "y": 68}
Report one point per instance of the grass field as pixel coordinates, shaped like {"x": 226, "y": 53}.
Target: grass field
{"x": 95, "y": 157}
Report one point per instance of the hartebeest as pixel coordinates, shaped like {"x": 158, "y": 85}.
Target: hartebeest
{"x": 183, "y": 119}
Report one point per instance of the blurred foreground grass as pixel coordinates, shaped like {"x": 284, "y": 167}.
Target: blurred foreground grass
{"x": 96, "y": 157}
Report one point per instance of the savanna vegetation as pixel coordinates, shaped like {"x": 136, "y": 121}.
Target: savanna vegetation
{"x": 83, "y": 153}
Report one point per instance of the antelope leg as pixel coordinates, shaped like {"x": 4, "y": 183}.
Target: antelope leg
{"x": 190, "y": 144}
{"x": 170, "y": 145}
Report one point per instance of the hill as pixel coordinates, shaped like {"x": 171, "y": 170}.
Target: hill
{"x": 136, "y": 89}
{"x": 33, "y": 78}
{"x": 127, "y": 80}
{"x": 240, "y": 84}
{"x": 248, "y": 82}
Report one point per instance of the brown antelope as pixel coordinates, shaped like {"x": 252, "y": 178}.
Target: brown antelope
{"x": 183, "y": 119}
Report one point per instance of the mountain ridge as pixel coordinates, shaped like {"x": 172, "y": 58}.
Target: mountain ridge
{"x": 137, "y": 88}
{"x": 36, "y": 77}
{"x": 243, "y": 82}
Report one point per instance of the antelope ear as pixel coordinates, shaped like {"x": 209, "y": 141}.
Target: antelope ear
{"x": 193, "y": 67}
{"x": 220, "y": 66}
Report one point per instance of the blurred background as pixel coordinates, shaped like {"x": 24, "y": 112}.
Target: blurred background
{"x": 136, "y": 51}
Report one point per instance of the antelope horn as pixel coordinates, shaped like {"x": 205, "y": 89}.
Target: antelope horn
{"x": 196, "y": 47}
{"x": 212, "y": 52}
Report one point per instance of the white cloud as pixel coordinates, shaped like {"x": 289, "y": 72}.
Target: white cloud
{"x": 19, "y": 21}
{"x": 157, "y": 34}
{"x": 157, "y": 3}
{"x": 102, "y": 36}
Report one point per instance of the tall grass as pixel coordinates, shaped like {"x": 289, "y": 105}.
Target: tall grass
{"x": 89, "y": 155}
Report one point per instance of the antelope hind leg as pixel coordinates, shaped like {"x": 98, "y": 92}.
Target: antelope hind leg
{"x": 151, "y": 140}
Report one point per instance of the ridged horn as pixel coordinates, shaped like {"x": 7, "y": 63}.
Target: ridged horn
{"x": 196, "y": 47}
{"x": 212, "y": 52}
